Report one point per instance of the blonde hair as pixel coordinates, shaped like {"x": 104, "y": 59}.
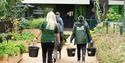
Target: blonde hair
{"x": 51, "y": 20}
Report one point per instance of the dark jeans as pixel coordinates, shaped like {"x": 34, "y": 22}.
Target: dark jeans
{"x": 47, "y": 50}
{"x": 81, "y": 47}
{"x": 61, "y": 36}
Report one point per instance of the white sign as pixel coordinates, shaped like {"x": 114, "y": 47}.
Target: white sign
{"x": 114, "y": 2}
{"x": 57, "y": 1}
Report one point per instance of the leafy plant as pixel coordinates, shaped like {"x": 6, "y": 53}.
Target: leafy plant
{"x": 113, "y": 15}
{"x": 28, "y": 36}
{"x": 8, "y": 8}
{"x": 24, "y": 23}
{"x": 36, "y": 22}
{"x": 23, "y": 36}
{"x": 110, "y": 47}
{"x": 2, "y": 36}
{"x": 2, "y": 53}
{"x": 16, "y": 36}
{"x": 21, "y": 47}
{"x": 9, "y": 48}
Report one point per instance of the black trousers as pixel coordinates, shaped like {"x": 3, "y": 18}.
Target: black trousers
{"x": 81, "y": 48}
{"x": 47, "y": 51}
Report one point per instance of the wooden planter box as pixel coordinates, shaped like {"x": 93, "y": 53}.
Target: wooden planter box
{"x": 4, "y": 59}
{"x": 15, "y": 59}
{"x": 11, "y": 59}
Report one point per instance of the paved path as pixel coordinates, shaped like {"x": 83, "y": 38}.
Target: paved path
{"x": 64, "y": 59}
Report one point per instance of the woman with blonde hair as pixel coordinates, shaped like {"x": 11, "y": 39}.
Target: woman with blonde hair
{"x": 49, "y": 34}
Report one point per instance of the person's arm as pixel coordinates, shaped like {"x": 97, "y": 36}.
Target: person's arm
{"x": 88, "y": 32}
{"x": 72, "y": 36}
{"x": 61, "y": 21}
{"x": 38, "y": 33}
{"x": 58, "y": 38}
{"x": 62, "y": 24}
{"x": 73, "y": 32}
{"x": 41, "y": 27}
{"x": 57, "y": 34}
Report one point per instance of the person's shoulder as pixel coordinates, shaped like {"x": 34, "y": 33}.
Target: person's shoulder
{"x": 77, "y": 22}
{"x": 85, "y": 23}
{"x": 57, "y": 16}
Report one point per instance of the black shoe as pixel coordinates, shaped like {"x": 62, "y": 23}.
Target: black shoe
{"x": 54, "y": 60}
{"x": 83, "y": 58}
{"x": 78, "y": 59}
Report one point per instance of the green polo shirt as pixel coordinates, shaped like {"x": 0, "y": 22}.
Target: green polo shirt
{"x": 48, "y": 35}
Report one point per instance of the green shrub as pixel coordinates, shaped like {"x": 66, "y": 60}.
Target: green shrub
{"x": 112, "y": 15}
{"x": 36, "y": 22}
{"x": 21, "y": 47}
{"x": 110, "y": 48}
{"x": 27, "y": 36}
{"x": 23, "y": 36}
{"x": 2, "y": 53}
{"x": 9, "y": 48}
{"x": 24, "y": 23}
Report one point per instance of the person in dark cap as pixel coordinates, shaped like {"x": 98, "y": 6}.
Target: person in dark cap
{"x": 81, "y": 35}
{"x": 61, "y": 33}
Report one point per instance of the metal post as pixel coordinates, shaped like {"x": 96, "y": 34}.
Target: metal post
{"x": 114, "y": 28}
{"x": 106, "y": 24}
{"x": 121, "y": 29}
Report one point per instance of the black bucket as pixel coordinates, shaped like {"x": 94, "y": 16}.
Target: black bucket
{"x": 33, "y": 51}
{"x": 71, "y": 52}
{"x": 91, "y": 51}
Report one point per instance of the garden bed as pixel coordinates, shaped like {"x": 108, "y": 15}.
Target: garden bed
{"x": 11, "y": 59}
{"x": 110, "y": 47}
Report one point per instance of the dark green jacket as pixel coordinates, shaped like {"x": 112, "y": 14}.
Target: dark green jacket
{"x": 80, "y": 32}
{"x": 47, "y": 35}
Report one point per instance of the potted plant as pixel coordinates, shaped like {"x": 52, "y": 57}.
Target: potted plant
{"x": 33, "y": 50}
{"x": 12, "y": 51}
{"x": 7, "y": 52}
{"x": 22, "y": 49}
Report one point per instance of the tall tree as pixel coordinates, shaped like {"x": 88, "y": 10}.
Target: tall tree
{"x": 104, "y": 7}
{"x": 8, "y": 7}
{"x": 101, "y": 7}
{"x": 124, "y": 8}
{"x": 124, "y": 12}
